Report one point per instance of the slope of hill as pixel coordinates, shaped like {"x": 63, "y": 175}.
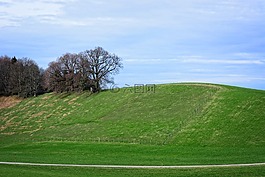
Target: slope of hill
{"x": 176, "y": 114}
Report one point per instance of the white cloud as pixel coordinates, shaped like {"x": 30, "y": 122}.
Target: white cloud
{"x": 53, "y": 20}
{"x": 23, "y": 10}
{"x": 139, "y": 14}
{"x": 229, "y": 61}
{"x": 240, "y": 10}
{"x": 248, "y": 59}
{"x": 11, "y": 22}
{"x": 144, "y": 61}
{"x": 199, "y": 60}
{"x": 246, "y": 55}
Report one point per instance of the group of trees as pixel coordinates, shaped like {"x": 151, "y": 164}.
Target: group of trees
{"x": 20, "y": 77}
{"x": 91, "y": 69}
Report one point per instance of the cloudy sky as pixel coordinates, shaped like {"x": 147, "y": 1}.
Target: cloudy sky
{"x": 160, "y": 41}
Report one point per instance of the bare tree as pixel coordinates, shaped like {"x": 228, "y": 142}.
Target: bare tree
{"x": 102, "y": 65}
{"x": 5, "y": 67}
{"x": 54, "y": 77}
{"x": 69, "y": 73}
{"x": 30, "y": 78}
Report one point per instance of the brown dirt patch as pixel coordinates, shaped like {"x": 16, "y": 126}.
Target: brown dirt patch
{"x": 7, "y": 102}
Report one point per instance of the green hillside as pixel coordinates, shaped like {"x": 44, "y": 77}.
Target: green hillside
{"x": 177, "y": 114}
{"x": 179, "y": 124}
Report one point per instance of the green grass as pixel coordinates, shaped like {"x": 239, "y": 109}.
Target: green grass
{"x": 179, "y": 124}
{"x": 25, "y": 171}
{"x": 127, "y": 154}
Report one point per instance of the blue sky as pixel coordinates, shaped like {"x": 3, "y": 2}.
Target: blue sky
{"x": 160, "y": 41}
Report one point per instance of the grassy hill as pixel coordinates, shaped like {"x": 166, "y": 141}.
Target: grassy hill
{"x": 178, "y": 124}
{"x": 179, "y": 114}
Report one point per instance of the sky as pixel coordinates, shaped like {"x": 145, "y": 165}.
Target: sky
{"x": 167, "y": 41}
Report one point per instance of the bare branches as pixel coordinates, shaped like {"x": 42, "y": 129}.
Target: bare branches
{"x": 86, "y": 70}
{"x": 69, "y": 73}
{"x": 102, "y": 64}
{"x": 19, "y": 77}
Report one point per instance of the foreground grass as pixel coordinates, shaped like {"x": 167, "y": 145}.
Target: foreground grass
{"x": 128, "y": 154}
{"x": 25, "y": 171}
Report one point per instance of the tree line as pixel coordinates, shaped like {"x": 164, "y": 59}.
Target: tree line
{"x": 20, "y": 77}
{"x": 71, "y": 72}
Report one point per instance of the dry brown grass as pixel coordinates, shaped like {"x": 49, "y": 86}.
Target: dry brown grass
{"x": 7, "y": 102}
{"x": 38, "y": 114}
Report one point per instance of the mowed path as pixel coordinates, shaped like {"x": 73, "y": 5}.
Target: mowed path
{"x": 131, "y": 166}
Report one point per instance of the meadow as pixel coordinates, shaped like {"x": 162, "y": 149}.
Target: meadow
{"x": 178, "y": 124}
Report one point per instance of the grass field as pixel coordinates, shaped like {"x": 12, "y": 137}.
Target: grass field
{"x": 23, "y": 171}
{"x": 179, "y": 124}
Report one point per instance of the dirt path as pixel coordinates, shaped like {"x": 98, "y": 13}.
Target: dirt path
{"x": 130, "y": 166}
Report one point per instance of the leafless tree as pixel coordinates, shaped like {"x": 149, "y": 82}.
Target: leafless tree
{"x": 102, "y": 65}
{"x": 5, "y": 66}
{"x": 69, "y": 73}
